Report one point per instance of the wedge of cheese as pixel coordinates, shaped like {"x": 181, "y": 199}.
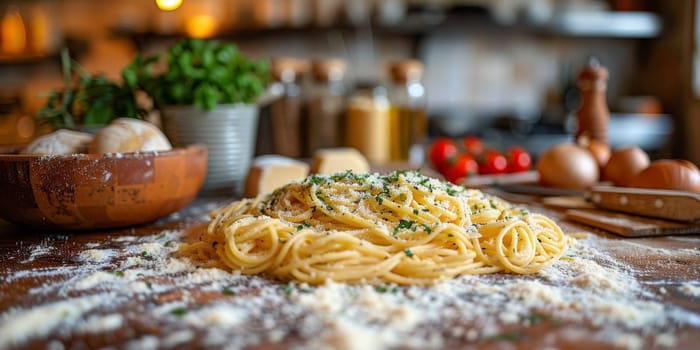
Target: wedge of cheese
{"x": 268, "y": 172}
{"x": 333, "y": 160}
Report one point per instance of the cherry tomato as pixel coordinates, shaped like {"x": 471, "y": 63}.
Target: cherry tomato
{"x": 442, "y": 153}
{"x": 493, "y": 162}
{"x": 464, "y": 165}
{"x": 518, "y": 159}
{"x": 473, "y": 145}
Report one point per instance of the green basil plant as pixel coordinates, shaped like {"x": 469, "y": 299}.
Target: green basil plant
{"x": 199, "y": 72}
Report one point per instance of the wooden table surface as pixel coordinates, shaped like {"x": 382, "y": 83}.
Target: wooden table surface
{"x": 39, "y": 270}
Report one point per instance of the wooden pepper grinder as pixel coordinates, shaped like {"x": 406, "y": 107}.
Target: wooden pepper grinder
{"x": 593, "y": 114}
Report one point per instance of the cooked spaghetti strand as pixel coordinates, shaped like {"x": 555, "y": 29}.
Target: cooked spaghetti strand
{"x": 403, "y": 228}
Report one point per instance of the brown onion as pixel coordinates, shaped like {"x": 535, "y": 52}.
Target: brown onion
{"x": 669, "y": 174}
{"x": 625, "y": 164}
{"x": 568, "y": 165}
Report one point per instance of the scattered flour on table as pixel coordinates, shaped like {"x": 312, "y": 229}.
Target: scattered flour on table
{"x": 98, "y": 323}
{"x": 20, "y": 324}
{"x": 37, "y": 251}
{"x": 209, "y": 306}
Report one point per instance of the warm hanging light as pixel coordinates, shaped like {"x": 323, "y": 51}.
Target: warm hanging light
{"x": 201, "y": 26}
{"x": 14, "y": 35}
{"x": 168, "y": 5}
{"x": 40, "y": 29}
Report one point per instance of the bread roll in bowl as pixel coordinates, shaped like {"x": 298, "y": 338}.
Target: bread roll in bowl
{"x": 60, "y": 142}
{"x": 129, "y": 135}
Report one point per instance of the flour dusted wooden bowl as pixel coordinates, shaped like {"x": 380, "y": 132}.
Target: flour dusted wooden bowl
{"x": 93, "y": 191}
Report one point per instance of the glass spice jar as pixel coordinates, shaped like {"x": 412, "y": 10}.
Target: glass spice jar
{"x": 367, "y": 121}
{"x": 407, "y": 120}
{"x": 326, "y": 104}
{"x": 286, "y": 112}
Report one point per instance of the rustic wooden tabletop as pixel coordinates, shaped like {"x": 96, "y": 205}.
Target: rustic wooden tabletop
{"x": 128, "y": 288}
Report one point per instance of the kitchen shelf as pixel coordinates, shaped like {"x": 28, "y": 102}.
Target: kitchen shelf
{"x": 605, "y": 24}
{"x": 410, "y": 26}
{"x": 571, "y": 24}
{"x": 419, "y": 22}
{"x": 7, "y": 60}
{"x": 76, "y": 47}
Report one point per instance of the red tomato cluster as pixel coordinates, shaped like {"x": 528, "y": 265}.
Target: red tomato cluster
{"x": 456, "y": 160}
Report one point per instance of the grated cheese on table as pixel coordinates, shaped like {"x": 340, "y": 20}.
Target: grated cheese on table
{"x": 98, "y": 323}
{"x": 190, "y": 305}
{"x": 690, "y": 289}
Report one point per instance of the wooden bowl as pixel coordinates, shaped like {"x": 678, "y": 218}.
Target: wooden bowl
{"x": 95, "y": 191}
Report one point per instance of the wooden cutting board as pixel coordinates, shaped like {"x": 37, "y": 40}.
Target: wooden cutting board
{"x": 662, "y": 204}
{"x": 630, "y": 225}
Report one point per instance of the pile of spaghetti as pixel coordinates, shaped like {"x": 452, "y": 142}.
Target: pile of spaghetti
{"x": 404, "y": 228}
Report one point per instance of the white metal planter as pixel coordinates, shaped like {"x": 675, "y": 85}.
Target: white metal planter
{"x": 228, "y": 132}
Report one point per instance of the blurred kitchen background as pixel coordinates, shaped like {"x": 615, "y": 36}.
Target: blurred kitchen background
{"x": 504, "y": 69}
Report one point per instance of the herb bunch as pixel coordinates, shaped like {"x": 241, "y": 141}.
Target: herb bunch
{"x": 203, "y": 73}
{"x": 87, "y": 99}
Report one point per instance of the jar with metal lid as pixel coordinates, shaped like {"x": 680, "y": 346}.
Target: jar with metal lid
{"x": 367, "y": 121}
{"x": 407, "y": 121}
{"x": 286, "y": 112}
{"x": 326, "y": 104}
